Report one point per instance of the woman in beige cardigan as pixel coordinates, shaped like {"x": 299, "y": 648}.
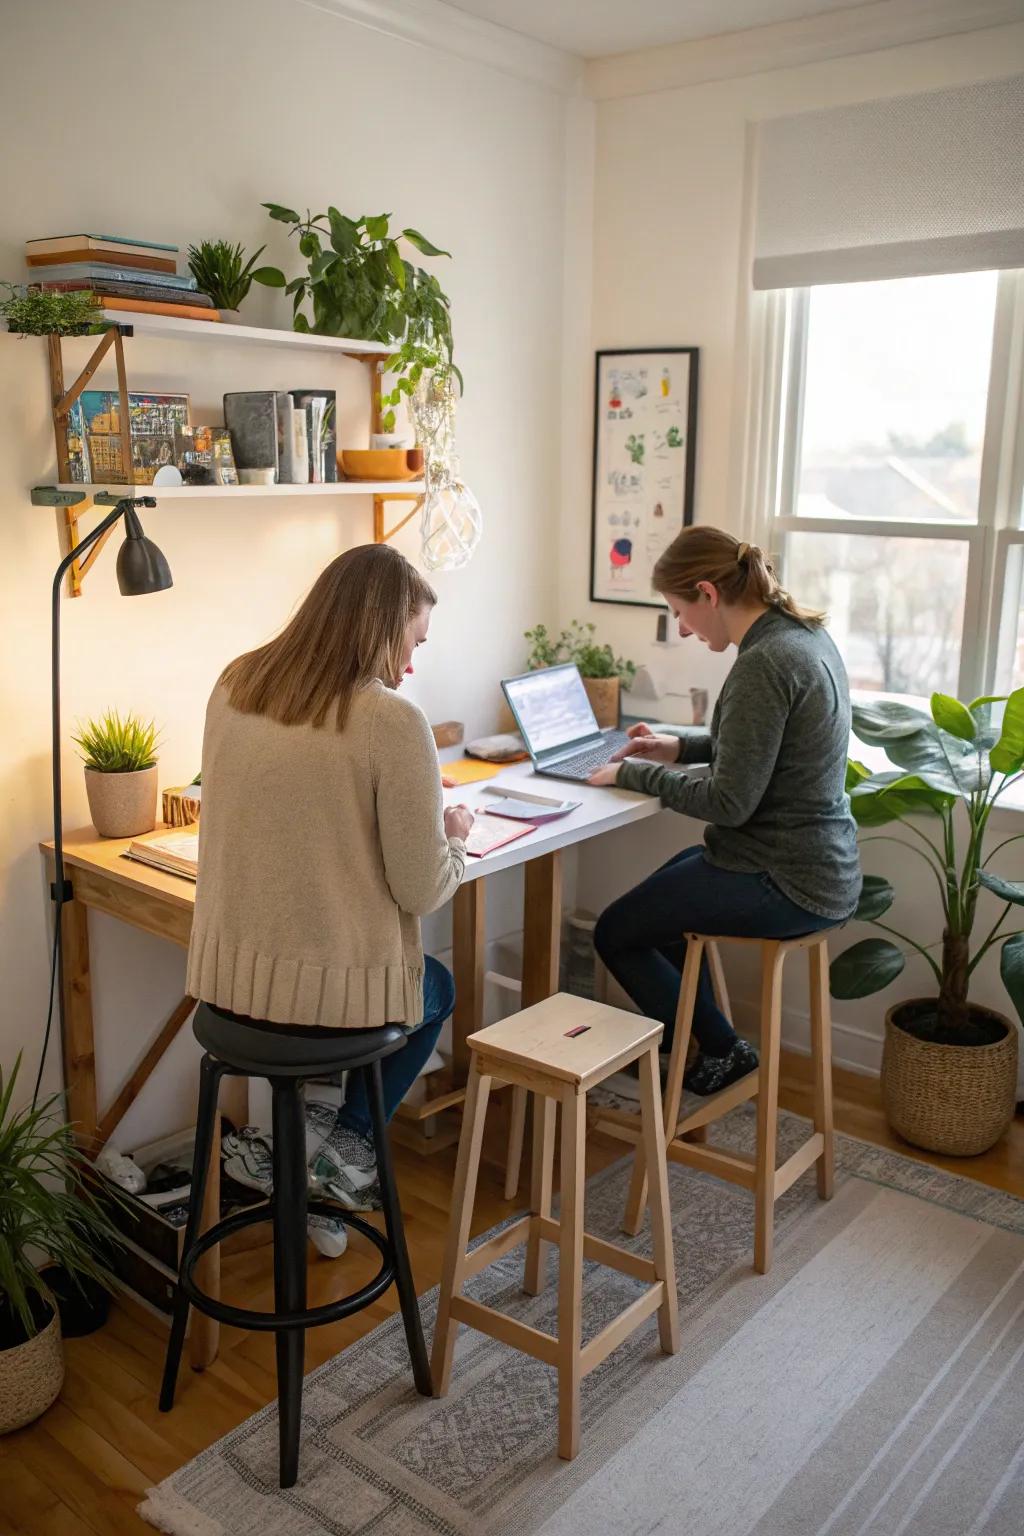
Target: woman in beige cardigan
{"x": 322, "y": 839}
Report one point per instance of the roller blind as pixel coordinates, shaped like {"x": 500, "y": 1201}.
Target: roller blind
{"x": 897, "y": 188}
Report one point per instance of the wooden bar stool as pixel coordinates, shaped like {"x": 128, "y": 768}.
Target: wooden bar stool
{"x": 757, "y": 1173}
{"x": 558, "y": 1050}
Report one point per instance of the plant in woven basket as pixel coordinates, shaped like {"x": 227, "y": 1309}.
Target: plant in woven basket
{"x": 32, "y": 312}
{"x": 115, "y": 745}
{"x": 222, "y": 272}
{"x": 48, "y": 1211}
{"x": 950, "y": 769}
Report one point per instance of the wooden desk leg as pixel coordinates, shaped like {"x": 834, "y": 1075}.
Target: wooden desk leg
{"x": 204, "y": 1332}
{"x": 78, "y": 1044}
{"x": 469, "y": 942}
{"x": 542, "y": 938}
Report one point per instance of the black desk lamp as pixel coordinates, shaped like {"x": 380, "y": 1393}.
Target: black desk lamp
{"x": 141, "y": 568}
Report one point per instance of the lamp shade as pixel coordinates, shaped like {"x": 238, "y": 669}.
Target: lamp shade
{"x": 141, "y": 566}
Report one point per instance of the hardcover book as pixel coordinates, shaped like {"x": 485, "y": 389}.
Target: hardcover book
{"x": 115, "y": 288}
{"x": 251, "y": 418}
{"x": 321, "y": 432}
{"x": 147, "y": 259}
{"x": 94, "y": 435}
{"x": 94, "y": 242}
{"x": 124, "y": 272}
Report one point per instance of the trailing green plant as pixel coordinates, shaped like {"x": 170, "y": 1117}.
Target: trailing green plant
{"x": 33, "y": 312}
{"x": 222, "y": 272}
{"x": 113, "y": 745}
{"x": 951, "y": 768}
{"x": 360, "y": 285}
{"x": 577, "y": 645}
{"x": 48, "y": 1209}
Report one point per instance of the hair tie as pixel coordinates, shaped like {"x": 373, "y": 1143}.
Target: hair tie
{"x": 743, "y": 554}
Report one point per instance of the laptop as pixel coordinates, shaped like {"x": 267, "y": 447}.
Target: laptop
{"x": 557, "y": 724}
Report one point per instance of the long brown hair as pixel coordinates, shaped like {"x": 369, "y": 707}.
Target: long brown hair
{"x": 742, "y": 573}
{"x": 350, "y": 629}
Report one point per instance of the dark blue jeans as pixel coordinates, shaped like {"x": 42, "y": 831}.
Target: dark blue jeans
{"x": 638, "y": 939}
{"x": 400, "y": 1070}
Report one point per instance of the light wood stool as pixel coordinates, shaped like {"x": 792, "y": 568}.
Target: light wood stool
{"x": 757, "y": 1173}
{"x": 557, "y": 1050}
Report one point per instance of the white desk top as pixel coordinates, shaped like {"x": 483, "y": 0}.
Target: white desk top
{"x": 602, "y": 810}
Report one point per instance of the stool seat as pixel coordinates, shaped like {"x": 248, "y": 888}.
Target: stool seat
{"x": 570, "y": 1038}
{"x": 263, "y": 1049}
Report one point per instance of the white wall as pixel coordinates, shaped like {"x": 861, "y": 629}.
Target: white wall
{"x": 175, "y": 124}
{"x": 671, "y": 183}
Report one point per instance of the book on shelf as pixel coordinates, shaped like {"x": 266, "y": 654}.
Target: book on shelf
{"x": 94, "y": 435}
{"x": 116, "y": 289}
{"x": 158, "y": 307}
{"x": 124, "y": 243}
{"x": 146, "y": 259}
{"x": 176, "y": 853}
{"x": 122, "y": 272}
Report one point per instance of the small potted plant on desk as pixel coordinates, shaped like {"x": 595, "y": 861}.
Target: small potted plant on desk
{"x": 120, "y": 773}
{"x": 604, "y": 674}
{"x": 949, "y": 1066}
{"x": 47, "y": 1212}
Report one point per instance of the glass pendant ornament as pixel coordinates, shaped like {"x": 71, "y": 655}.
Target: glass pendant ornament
{"x": 451, "y": 521}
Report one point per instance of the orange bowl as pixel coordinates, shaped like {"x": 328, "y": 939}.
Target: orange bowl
{"x": 380, "y": 463}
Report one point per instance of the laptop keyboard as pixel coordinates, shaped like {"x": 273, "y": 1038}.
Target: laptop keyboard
{"x": 584, "y": 763}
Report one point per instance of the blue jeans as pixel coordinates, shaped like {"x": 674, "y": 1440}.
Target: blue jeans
{"x": 401, "y": 1069}
{"x": 638, "y": 939}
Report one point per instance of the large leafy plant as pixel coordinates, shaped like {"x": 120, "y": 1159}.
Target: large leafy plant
{"x": 359, "y": 284}
{"x": 950, "y": 770}
{"x": 47, "y": 1208}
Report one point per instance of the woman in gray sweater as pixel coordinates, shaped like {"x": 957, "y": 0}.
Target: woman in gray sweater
{"x": 780, "y": 851}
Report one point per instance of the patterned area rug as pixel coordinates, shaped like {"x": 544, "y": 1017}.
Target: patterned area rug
{"x": 870, "y": 1385}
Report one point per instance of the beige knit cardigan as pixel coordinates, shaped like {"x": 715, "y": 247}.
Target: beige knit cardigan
{"x": 318, "y": 852}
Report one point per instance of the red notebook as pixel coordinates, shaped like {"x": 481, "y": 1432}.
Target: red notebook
{"x": 490, "y": 832}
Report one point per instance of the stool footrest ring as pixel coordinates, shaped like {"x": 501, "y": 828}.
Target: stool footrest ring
{"x": 273, "y": 1322}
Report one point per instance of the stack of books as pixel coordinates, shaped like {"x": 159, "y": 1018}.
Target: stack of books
{"x": 124, "y": 274}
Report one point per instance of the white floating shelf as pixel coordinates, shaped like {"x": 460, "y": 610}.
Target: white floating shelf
{"x": 394, "y": 488}
{"x": 176, "y": 328}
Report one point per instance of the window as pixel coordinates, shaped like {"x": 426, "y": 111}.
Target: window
{"x": 893, "y": 475}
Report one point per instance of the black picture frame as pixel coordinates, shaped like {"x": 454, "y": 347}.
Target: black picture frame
{"x": 681, "y": 514}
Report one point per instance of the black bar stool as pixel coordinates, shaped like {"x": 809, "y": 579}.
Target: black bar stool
{"x": 288, "y": 1057}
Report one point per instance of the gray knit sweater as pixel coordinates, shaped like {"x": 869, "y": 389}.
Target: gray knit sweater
{"x": 777, "y": 748}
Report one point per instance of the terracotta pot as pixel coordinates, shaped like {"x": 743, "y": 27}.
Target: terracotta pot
{"x": 122, "y": 804}
{"x": 957, "y": 1099}
{"x": 31, "y": 1375}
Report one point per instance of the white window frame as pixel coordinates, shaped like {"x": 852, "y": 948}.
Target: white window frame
{"x": 995, "y": 543}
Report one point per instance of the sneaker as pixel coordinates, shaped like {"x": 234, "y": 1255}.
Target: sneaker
{"x": 248, "y": 1158}
{"x": 328, "y": 1235}
{"x": 346, "y": 1169}
{"x": 710, "y": 1074}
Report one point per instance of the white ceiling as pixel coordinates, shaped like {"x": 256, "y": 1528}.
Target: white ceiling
{"x": 594, "y": 28}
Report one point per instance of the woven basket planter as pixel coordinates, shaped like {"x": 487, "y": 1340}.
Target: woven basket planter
{"x": 957, "y": 1099}
{"x": 31, "y": 1375}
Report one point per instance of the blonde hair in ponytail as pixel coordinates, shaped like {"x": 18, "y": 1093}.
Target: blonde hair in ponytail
{"x": 742, "y": 573}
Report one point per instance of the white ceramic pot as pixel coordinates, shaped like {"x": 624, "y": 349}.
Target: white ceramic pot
{"x": 122, "y": 804}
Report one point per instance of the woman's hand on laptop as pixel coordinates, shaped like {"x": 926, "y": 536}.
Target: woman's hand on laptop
{"x": 606, "y": 775}
{"x": 649, "y": 745}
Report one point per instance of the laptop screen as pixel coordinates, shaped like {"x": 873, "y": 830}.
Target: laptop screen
{"x": 552, "y": 707}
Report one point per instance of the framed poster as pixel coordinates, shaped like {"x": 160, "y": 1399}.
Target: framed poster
{"x": 645, "y": 444}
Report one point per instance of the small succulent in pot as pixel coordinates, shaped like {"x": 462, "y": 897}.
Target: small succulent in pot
{"x": 222, "y": 272}
{"x": 120, "y": 773}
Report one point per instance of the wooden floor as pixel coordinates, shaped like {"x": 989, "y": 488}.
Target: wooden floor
{"x": 81, "y": 1469}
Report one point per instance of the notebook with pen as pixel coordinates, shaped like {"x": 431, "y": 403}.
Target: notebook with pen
{"x": 488, "y": 834}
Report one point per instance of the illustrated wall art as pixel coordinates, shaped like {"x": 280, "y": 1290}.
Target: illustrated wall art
{"x": 645, "y": 442}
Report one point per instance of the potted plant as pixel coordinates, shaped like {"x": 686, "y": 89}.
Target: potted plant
{"x": 120, "y": 773}
{"x": 47, "y": 1211}
{"x": 223, "y": 274}
{"x": 604, "y": 674}
{"x": 360, "y": 285}
{"x": 949, "y": 1066}
{"x": 33, "y": 312}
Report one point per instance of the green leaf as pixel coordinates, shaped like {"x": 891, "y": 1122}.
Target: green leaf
{"x": 283, "y": 215}
{"x": 377, "y": 226}
{"x": 344, "y": 233}
{"x": 886, "y": 796}
{"x": 1011, "y": 969}
{"x": 856, "y": 773}
{"x": 876, "y": 897}
{"x": 396, "y": 264}
{"x": 422, "y": 244}
{"x": 270, "y": 277}
{"x": 865, "y": 968}
{"x": 300, "y": 323}
{"x": 885, "y": 721}
{"x": 952, "y": 716}
{"x": 1006, "y": 890}
{"x": 1007, "y": 755}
